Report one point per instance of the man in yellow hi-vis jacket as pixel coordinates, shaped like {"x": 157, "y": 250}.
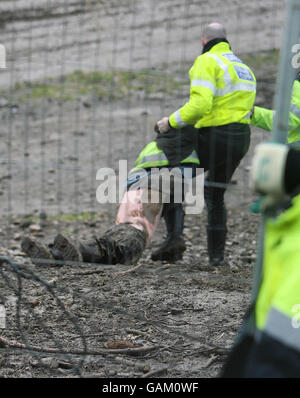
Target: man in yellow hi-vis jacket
{"x": 268, "y": 344}
{"x": 222, "y": 94}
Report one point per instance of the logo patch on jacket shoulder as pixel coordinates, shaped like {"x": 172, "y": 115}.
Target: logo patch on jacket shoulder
{"x": 243, "y": 73}
{"x": 232, "y": 58}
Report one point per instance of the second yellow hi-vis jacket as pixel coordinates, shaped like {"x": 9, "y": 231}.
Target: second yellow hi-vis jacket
{"x": 222, "y": 91}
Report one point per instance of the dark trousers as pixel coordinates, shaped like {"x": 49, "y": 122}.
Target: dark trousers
{"x": 220, "y": 150}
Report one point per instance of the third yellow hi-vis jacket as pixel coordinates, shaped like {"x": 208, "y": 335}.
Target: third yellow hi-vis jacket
{"x": 264, "y": 118}
{"x": 222, "y": 91}
{"x": 278, "y": 304}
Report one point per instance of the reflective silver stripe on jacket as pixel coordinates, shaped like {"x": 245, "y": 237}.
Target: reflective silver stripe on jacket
{"x": 236, "y": 87}
{"x": 159, "y": 157}
{"x": 229, "y": 86}
{"x": 178, "y": 119}
{"x": 204, "y": 83}
{"x": 222, "y": 65}
{"x": 295, "y": 110}
{"x": 193, "y": 156}
{"x": 283, "y": 328}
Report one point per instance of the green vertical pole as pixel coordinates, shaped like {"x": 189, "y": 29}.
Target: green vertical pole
{"x": 286, "y": 76}
{"x": 285, "y": 80}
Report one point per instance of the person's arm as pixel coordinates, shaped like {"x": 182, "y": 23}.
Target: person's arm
{"x": 199, "y": 104}
{"x": 202, "y": 91}
{"x": 263, "y": 118}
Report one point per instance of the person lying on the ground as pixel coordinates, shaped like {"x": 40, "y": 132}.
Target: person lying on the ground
{"x": 264, "y": 118}
{"x": 137, "y": 217}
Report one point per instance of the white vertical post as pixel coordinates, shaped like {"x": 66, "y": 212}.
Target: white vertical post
{"x": 2, "y": 317}
{"x": 2, "y": 56}
{"x": 287, "y": 72}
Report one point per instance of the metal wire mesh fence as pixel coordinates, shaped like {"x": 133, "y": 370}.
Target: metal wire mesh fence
{"x": 84, "y": 84}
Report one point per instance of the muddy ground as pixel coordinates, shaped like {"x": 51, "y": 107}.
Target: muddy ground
{"x": 176, "y": 320}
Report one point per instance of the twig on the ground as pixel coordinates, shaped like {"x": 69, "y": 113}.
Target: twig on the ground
{"x": 216, "y": 350}
{"x": 126, "y": 351}
{"x": 219, "y": 338}
{"x": 100, "y": 269}
{"x": 129, "y": 270}
{"x": 163, "y": 267}
{"x": 138, "y": 332}
{"x": 210, "y": 361}
{"x": 155, "y": 372}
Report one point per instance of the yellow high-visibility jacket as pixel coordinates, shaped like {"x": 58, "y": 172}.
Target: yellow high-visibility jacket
{"x": 152, "y": 156}
{"x": 264, "y": 118}
{"x": 222, "y": 91}
{"x": 277, "y": 309}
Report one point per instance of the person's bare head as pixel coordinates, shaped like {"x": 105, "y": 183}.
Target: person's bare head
{"x": 214, "y": 30}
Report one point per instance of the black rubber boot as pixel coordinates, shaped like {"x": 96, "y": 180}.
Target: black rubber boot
{"x": 39, "y": 252}
{"x": 91, "y": 254}
{"x": 66, "y": 249}
{"x": 36, "y": 251}
{"x": 216, "y": 237}
{"x": 173, "y": 247}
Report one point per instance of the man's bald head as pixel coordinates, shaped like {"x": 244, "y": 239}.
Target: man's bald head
{"x": 212, "y": 31}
